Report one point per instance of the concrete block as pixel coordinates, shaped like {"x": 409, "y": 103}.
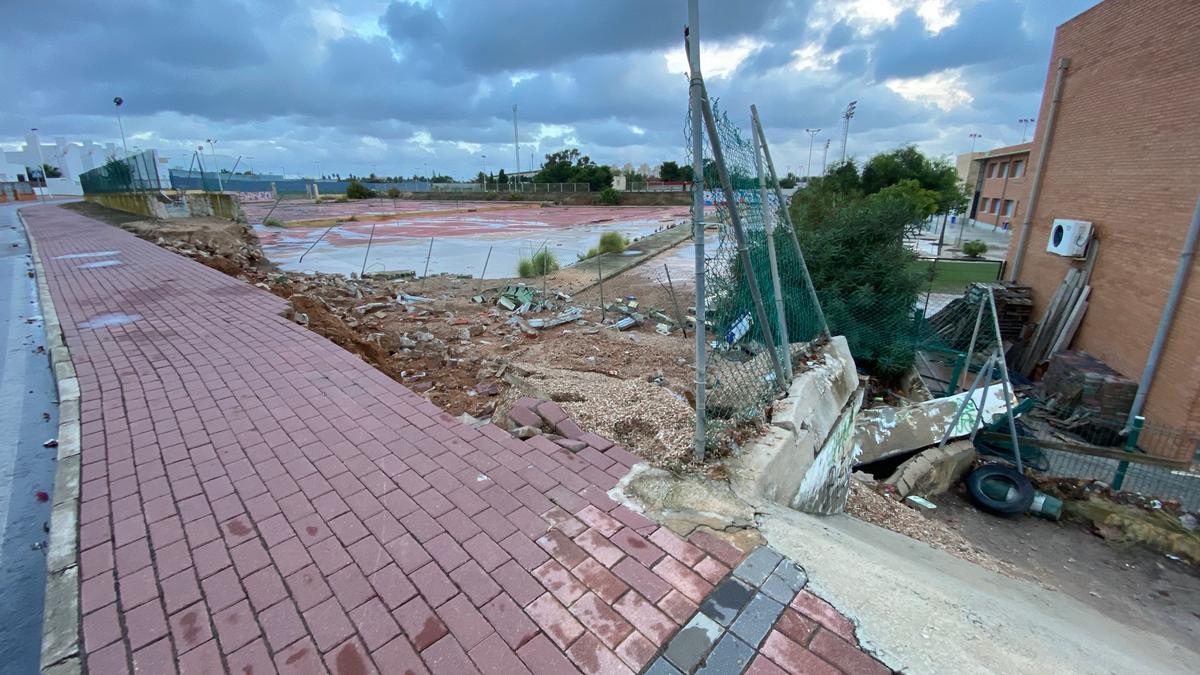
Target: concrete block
{"x": 757, "y": 566}
{"x": 726, "y": 600}
{"x": 934, "y": 471}
{"x": 756, "y": 620}
{"x": 692, "y": 643}
{"x": 731, "y": 655}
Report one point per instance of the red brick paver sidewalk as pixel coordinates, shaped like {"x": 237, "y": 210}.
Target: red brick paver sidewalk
{"x": 254, "y": 498}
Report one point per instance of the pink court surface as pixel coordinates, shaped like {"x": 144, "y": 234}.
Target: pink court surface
{"x": 461, "y": 238}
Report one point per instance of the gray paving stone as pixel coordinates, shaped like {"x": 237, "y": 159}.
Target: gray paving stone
{"x": 729, "y": 657}
{"x": 757, "y": 566}
{"x": 726, "y": 600}
{"x": 691, "y": 644}
{"x": 756, "y": 620}
{"x": 786, "y": 581}
{"x": 661, "y": 666}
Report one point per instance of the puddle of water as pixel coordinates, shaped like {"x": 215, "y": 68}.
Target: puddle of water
{"x": 101, "y": 263}
{"x": 456, "y": 254}
{"x": 97, "y": 254}
{"x": 107, "y": 320}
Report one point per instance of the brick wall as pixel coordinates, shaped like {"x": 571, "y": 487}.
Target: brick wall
{"x": 1126, "y": 156}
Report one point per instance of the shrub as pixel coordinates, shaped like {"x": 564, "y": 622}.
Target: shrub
{"x": 393, "y": 192}
{"x": 543, "y": 262}
{"x": 342, "y": 200}
{"x": 975, "y": 248}
{"x": 613, "y": 242}
{"x": 610, "y": 197}
{"x": 272, "y": 222}
{"x": 356, "y": 190}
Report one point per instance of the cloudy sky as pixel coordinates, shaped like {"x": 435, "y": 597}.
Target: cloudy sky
{"x": 403, "y": 87}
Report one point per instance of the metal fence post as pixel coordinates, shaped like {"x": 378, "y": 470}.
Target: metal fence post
{"x": 1131, "y": 441}
{"x": 692, "y": 44}
{"x": 769, "y": 229}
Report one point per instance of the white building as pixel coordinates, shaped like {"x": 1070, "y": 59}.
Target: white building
{"x": 71, "y": 159}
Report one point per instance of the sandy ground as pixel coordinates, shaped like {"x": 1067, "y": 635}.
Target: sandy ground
{"x": 921, "y": 610}
{"x": 1128, "y": 583}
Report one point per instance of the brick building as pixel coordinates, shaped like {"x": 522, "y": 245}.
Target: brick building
{"x": 1001, "y": 184}
{"x": 1125, "y": 154}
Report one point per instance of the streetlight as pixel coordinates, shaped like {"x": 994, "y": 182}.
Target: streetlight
{"x": 118, "y": 102}
{"x": 812, "y": 135}
{"x": 971, "y": 160}
{"x": 483, "y": 174}
{"x": 1025, "y": 122}
{"x": 974, "y": 137}
{"x": 41, "y": 165}
{"x": 212, "y": 145}
{"x": 846, "y": 126}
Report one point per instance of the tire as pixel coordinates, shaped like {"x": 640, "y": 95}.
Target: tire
{"x": 1019, "y": 503}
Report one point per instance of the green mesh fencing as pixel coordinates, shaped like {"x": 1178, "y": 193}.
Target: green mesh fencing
{"x": 136, "y": 173}
{"x": 741, "y": 377}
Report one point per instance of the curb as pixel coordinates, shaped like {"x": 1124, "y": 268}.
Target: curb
{"x": 60, "y": 625}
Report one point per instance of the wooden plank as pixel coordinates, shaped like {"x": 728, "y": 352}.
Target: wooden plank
{"x": 1049, "y": 325}
{"x": 1072, "y": 323}
{"x": 1089, "y": 450}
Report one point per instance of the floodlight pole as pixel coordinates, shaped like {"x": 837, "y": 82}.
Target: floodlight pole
{"x": 516, "y": 145}
{"x": 695, "y": 94}
{"x": 812, "y": 136}
{"x": 846, "y": 117}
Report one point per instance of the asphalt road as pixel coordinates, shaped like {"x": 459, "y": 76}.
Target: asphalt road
{"x": 27, "y": 394}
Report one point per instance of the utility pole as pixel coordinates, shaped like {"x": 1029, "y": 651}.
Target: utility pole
{"x": 516, "y": 145}
{"x": 118, "y": 102}
{"x": 483, "y": 172}
{"x": 1025, "y": 122}
{"x": 41, "y": 165}
{"x": 212, "y": 144}
{"x": 812, "y": 135}
{"x": 846, "y": 116}
{"x": 695, "y": 87}
{"x": 825, "y": 156}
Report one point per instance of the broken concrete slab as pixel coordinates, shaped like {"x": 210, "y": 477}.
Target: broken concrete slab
{"x": 551, "y": 412}
{"x": 826, "y": 484}
{"x": 773, "y": 465}
{"x": 524, "y": 417}
{"x": 887, "y": 431}
{"x": 933, "y": 471}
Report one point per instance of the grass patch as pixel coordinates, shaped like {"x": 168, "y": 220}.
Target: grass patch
{"x": 272, "y": 222}
{"x": 953, "y": 276}
{"x": 543, "y": 262}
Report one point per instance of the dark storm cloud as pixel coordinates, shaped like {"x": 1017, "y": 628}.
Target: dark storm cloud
{"x": 352, "y": 82}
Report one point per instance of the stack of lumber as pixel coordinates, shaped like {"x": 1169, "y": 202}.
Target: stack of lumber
{"x": 1063, "y": 315}
{"x": 955, "y": 322}
{"x": 1085, "y": 384}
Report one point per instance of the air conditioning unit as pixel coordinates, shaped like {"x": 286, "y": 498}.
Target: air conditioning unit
{"x": 1069, "y": 237}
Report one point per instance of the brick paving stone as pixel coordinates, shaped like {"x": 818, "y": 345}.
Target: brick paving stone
{"x": 555, "y": 620}
{"x": 757, "y": 566}
{"x": 692, "y": 643}
{"x": 823, "y": 613}
{"x": 350, "y": 657}
{"x": 543, "y": 658}
{"x": 600, "y": 580}
{"x": 281, "y": 623}
{"x": 756, "y": 620}
{"x": 731, "y": 655}
{"x": 301, "y": 658}
{"x": 191, "y": 627}
{"x": 793, "y": 658}
{"x": 683, "y": 579}
{"x": 494, "y": 656}
{"x": 447, "y": 656}
{"x": 559, "y": 581}
{"x": 594, "y": 659}
{"x": 420, "y": 623}
{"x": 844, "y": 655}
{"x": 601, "y": 619}
{"x": 672, "y": 543}
{"x": 645, "y": 617}
{"x": 510, "y": 622}
{"x": 677, "y": 606}
{"x": 795, "y": 627}
{"x": 399, "y": 656}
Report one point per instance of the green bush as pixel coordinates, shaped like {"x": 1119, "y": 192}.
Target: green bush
{"x": 613, "y": 242}
{"x": 975, "y": 248}
{"x": 610, "y": 197}
{"x": 356, "y": 190}
{"x": 393, "y": 193}
{"x": 342, "y": 200}
{"x": 543, "y": 262}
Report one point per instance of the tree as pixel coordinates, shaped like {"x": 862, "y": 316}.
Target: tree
{"x": 502, "y": 178}
{"x": 569, "y": 166}
{"x": 908, "y": 163}
{"x": 356, "y": 190}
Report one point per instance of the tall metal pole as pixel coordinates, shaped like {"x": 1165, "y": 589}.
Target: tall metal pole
{"x": 769, "y": 229}
{"x": 212, "y": 144}
{"x": 825, "y": 157}
{"x": 812, "y": 136}
{"x": 118, "y": 102}
{"x": 695, "y": 93}
{"x": 41, "y": 165}
{"x": 516, "y": 145}
{"x": 787, "y": 218}
{"x": 846, "y": 116}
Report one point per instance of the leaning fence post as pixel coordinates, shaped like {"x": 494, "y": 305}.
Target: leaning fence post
{"x": 735, "y": 219}
{"x": 769, "y": 229}
{"x": 1131, "y": 441}
{"x": 428, "y": 255}
{"x": 484, "y": 272}
{"x": 787, "y": 218}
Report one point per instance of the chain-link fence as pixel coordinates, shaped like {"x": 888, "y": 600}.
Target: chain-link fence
{"x": 749, "y": 363}
{"x": 135, "y": 173}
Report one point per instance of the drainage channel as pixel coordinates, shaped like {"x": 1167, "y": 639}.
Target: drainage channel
{"x": 28, "y": 418}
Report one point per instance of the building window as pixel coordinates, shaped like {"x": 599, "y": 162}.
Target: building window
{"x": 983, "y": 204}
{"x": 1009, "y": 207}
{"x": 1002, "y": 169}
{"x": 1018, "y": 168}
{"x": 991, "y": 172}
{"x": 995, "y": 205}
